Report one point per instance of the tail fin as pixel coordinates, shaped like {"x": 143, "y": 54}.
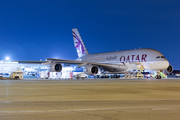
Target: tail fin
{"x": 79, "y": 44}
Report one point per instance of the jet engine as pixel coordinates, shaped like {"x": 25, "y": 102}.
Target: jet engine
{"x": 90, "y": 69}
{"x": 55, "y": 67}
{"x": 169, "y": 69}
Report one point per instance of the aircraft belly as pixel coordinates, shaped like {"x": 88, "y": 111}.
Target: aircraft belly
{"x": 115, "y": 68}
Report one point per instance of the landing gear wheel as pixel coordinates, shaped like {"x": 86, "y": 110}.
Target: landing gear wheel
{"x": 158, "y": 77}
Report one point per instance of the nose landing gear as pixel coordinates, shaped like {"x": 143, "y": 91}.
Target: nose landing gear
{"x": 158, "y": 76}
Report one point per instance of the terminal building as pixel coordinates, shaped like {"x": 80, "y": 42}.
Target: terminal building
{"x": 37, "y": 70}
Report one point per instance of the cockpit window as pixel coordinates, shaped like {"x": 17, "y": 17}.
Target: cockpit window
{"x": 160, "y": 57}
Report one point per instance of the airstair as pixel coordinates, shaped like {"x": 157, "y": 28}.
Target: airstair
{"x": 135, "y": 74}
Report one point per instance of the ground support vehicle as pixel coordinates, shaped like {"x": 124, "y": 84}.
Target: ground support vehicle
{"x": 16, "y": 75}
{"x": 139, "y": 75}
{"x": 81, "y": 75}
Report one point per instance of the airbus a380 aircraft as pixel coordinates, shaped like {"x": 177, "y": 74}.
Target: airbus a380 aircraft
{"x": 112, "y": 62}
{"x": 115, "y": 62}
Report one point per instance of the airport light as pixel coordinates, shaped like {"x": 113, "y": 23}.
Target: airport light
{"x": 7, "y": 58}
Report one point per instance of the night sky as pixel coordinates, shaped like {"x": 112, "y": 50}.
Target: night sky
{"x": 39, "y": 29}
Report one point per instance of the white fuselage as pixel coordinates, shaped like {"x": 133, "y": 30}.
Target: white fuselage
{"x": 127, "y": 60}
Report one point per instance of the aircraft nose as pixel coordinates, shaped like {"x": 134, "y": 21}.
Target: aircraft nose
{"x": 159, "y": 65}
{"x": 165, "y": 64}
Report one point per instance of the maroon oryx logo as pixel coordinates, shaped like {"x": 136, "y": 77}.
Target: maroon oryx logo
{"x": 79, "y": 44}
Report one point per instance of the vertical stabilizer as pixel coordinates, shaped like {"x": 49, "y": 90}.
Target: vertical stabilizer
{"x": 79, "y": 44}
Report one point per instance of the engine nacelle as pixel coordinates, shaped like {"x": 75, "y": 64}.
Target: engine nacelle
{"x": 169, "y": 69}
{"x": 55, "y": 67}
{"x": 91, "y": 70}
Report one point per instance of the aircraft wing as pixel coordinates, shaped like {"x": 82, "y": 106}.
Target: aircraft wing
{"x": 33, "y": 62}
{"x": 53, "y": 60}
{"x": 82, "y": 62}
{"x": 105, "y": 66}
